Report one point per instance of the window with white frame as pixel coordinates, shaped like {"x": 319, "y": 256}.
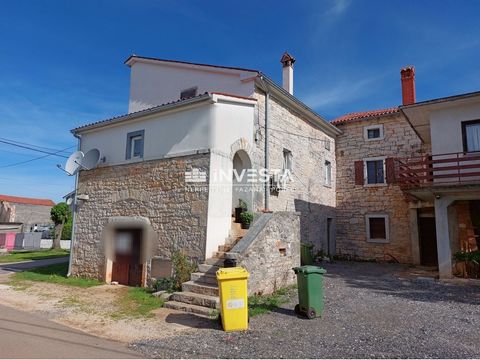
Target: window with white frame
{"x": 327, "y": 144}
{"x": 374, "y": 171}
{"x": 328, "y": 173}
{"x": 471, "y": 135}
{"x": 377, "y": 228}
{"x": 373, "y": 132}
{"x": 135, "y": 142}
{"x": 287, "y": 160}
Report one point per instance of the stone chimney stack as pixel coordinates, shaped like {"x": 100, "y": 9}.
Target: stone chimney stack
{"x": 407, "y": 75}
{"x": 287, "y": 72}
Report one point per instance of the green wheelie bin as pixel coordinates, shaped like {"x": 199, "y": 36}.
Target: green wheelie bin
{"x": 310, "y": 291}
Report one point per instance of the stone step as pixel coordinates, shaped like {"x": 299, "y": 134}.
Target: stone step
{"x": 197, "y": 288}
{"x": 204, "y": 278}
{"x": 215, "y": 262}
{"x": 208, "y": 269}
{"x": 186, "y": 297}
{"x": 219, "y": 254}
{"x": 225, "y": 248}
{"x": 195, "y": 309}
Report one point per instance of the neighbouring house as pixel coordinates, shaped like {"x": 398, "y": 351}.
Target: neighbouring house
{"x": 32, "y": 213}
{"x": 408, "y": 180}
{"x": 166, "y": 180}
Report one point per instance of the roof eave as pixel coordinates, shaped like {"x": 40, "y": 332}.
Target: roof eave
{"x": 299, "y": 106}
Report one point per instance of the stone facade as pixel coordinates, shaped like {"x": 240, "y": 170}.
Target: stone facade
{"x": 310, "y": 148}
{"x": 155, "y": 190}
{"x": 271, "y": 251}
{"x": 354, "y": 202}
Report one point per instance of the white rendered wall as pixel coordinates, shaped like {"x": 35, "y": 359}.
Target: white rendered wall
{"x": 154, "y": 84}
{"x": 446, "y": 127}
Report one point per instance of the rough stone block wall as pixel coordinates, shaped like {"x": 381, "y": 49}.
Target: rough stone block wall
{"x": 274, "y": 252}
{"x": 153, "y": 189}
{"x": 307, "y": 193}
{"x": 356, "y": 201}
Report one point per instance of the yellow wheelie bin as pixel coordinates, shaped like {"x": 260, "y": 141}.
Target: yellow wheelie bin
{"x": 232, "y": 285}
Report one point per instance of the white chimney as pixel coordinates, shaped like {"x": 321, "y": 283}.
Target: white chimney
{"x": 287, "y": 72}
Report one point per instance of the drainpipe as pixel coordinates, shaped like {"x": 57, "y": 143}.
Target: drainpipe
{"x": 267, "y": 160}
{"x": 72, "y": 240}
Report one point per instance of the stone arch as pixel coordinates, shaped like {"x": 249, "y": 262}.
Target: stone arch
{"x": 241, "y": 144}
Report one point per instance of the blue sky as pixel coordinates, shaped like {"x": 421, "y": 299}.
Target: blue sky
{"x": 61, "y": 62}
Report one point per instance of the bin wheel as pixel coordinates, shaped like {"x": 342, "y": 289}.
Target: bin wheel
{"x": 311, "y": 313}
{"x": 297, "y": 309}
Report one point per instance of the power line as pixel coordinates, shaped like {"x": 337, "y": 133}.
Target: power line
{"x": 33, "y": 149}
{"x": 34, "y": 159}
{"x": 32, "y": 145}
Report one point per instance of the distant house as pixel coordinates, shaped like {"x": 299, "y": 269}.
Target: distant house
{"x": 32, "y": 213}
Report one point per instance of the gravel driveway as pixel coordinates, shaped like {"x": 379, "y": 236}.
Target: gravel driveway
{"x": 370, "y": 311}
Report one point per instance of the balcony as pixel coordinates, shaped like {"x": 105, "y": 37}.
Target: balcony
{"x": 452, "y": 169}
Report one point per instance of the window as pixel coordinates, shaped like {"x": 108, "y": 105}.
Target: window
{"x": 328, "y": 173}
{"x": 471, "y": 135}
{"x": 374, "y": 171}
{"x": 287, "y": 160}
{"x": 135, "y": 145}
{"x": 373, "y": 132}
{"x": 188, "y": 93}
{"x": 327, "y": 145}
{"x": 377, "y": 228}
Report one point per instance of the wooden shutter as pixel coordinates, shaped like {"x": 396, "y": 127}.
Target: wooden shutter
{"x": 389, "y": 170}
{"x": 359, "y": 172}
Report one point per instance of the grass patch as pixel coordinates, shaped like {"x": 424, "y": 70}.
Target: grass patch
{"x": 56, "y": 274}
{"x": 137, "y": 302}
{"x": 261, "y": 304}
{"x": 15, "y": 256}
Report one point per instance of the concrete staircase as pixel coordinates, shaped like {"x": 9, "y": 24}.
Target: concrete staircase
{"x": 200, "y": 295}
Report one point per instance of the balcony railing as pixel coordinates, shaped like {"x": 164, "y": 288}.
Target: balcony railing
{"x": 442, "y": 169}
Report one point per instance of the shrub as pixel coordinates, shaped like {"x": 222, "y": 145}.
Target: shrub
{"x": 183, "y": 267}
{"x": 163, "y": 284}
{"x": 242, "y": 204}
{"x": 246, "y": 217}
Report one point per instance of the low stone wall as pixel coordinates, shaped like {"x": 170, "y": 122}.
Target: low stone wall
{"x": 270, "y": 250}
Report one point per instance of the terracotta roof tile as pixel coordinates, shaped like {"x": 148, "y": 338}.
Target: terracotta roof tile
{"x": 24, "y": 200}
{"x": 364, "y": 114}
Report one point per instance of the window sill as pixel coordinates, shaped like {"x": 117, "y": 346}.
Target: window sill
{"x": 328, "y": 186}
{"x": 374, "y": 139}
{"x": 378, "y": 241}
{"x": 375, "y": 185}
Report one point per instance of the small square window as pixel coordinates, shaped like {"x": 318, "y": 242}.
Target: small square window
{"x": 135, "y": 142}
{"x": 377, "y": 228}
{"x": 287, "y": 160}
{"x": 373, "y": 132}
{"x": 188, "y": 93}
{"x": 374, "y": 171}
{"x": 328, "y": 173}
{"x": 327, "y": 145}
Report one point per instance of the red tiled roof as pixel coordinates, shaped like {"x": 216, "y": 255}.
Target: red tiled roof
{"x": 364, "y": 115}
{"x": 24, "y": 200}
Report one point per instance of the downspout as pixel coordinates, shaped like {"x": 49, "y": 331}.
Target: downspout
{"x": 72, "y": 240}
{"x": 267, "y": 160}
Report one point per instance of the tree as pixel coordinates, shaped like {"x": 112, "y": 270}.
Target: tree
{"x": 59, "y": 214}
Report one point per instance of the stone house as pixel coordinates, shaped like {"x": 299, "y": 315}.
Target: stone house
{"x": 400, "y": 171}
{"x": 30, "y": 212}
{"x": 165, "y": 180}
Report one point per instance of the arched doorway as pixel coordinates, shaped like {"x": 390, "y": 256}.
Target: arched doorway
{"x": 241, "y": 186}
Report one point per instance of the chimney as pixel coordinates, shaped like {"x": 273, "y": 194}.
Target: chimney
{"x": 407, "y": 74}
{"x": 287, "y": 61}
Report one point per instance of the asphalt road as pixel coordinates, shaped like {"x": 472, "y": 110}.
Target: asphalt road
{"x": 25, "y": 335}
{"x": 21, "y": 266}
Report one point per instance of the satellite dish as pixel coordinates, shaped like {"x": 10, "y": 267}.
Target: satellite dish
{"x": 91, "y": 159}
{"x": 69, "y": 201}
{"x": 73, "y": 163}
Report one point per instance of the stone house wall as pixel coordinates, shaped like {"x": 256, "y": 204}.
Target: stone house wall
{"x": 270, "y": 251}
{"x": 356, "y": 201}
{"x": 307, "y": 192}
{"x": 30, "y": 215}
{"x": 155, "y": 190}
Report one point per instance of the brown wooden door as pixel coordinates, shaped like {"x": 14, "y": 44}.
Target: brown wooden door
{"x": 127, "y": 268}
{"x": 428, "y": 241}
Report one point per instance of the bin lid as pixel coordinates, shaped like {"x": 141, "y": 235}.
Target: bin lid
{"x": 232, "y": 273}
{"x": 309, "y": 269}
